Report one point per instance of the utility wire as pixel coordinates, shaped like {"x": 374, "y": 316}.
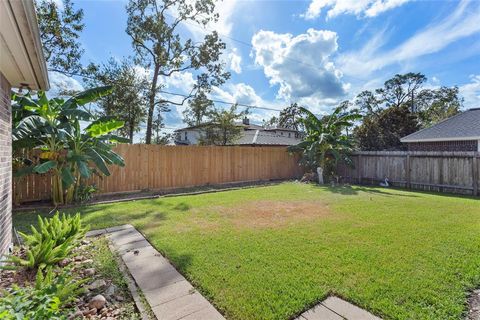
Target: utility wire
{"x": 171, "y": 93}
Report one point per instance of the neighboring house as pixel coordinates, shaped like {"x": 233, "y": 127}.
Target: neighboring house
{"x": 458, "y": 133}
{"x": 22, "y": 65}
{"x": 252, "y": 135}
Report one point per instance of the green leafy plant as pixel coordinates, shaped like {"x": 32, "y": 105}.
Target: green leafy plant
{"x": 326, "y": 142}
{"x": 47, "y": 299}
{"x": 29, "y": 303}
{"x": 85, "y": 192}
{"x": 62, "y": 284}
{"x": 50, "y": 129}
{"x": 52, "y": 242}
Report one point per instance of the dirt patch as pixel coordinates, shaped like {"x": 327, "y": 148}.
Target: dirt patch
{"x": 268, "y": 214}
{"x": 474, "y": 306}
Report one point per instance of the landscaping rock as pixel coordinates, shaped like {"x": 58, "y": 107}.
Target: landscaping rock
{"x": 89, "y": 312}
{"x": 65, "y": 262}
{"x": 87, "y": 261}
{"x": 97, "y": 284}
{"x": 119, "y": 298}
{"x": 79, "y": 258}
{"x": 97, "y": 302}
{"x": 110, "y": 290}
{"x": 77, "y": 314}
{"x": 89, "y": 272}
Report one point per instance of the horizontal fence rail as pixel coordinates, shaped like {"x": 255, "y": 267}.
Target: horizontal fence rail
{"x": 453, "y": 172}
{"x": 154, "y": 167}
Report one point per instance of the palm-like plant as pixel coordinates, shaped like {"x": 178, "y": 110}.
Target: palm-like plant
{"x": 326, "y": 142}
{"x": 52, "y": 129}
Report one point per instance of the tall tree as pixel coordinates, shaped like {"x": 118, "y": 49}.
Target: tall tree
{"x": 160, "y": 48}
{"x": 438, "y": 104}
{"x": 383, "y": 130}
{"x": 402, "y": 89}
{"x": 158, "y": 124}
{"x": 222, "y": 128}
{"x": 60, "y": 30}
{"x": 198, "y": 109}
{"x": 291, "y": 117}
{"x": 128, "y": 99}
{"x": 401, "y": 107}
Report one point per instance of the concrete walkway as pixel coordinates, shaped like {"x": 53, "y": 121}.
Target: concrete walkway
{"x": 170, "y": 295}
{"x": 334, "y": 308}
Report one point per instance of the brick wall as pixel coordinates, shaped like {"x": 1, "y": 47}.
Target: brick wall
{"x": 471, "y": 145}
{"x": 5, "y": 166}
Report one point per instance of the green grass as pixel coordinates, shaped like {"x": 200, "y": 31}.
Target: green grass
{"x": 273, "y": 252}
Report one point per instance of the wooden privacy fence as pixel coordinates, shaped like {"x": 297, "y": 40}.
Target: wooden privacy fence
{"x": 154, "y": 167}
{"x": 456, "y": 172}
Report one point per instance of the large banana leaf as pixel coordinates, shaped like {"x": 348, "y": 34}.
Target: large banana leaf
{"x": 88, "y": 96}
{"x": 45, "y": 167}
{"x": 99, "y": 161}
{"x": 103, "y": 126}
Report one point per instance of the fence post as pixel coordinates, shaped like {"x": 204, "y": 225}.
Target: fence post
{"x": 440, "y": 174}
{"x": 359, "y": 169}
{"x": 407, "y": 171}
{"x": 475, "y": 174}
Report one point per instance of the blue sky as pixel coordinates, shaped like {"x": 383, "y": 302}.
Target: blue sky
{"x": 315, "y": 52}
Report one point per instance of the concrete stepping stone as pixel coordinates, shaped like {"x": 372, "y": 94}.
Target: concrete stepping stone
{"x": 334, "y": 308}
{"x": 320, "y": 312}
{"x": 169, "y": 294}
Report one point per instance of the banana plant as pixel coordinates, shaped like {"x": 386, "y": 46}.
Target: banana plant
{"x": 51, "y": 131}
{"x": 325, "y": 142}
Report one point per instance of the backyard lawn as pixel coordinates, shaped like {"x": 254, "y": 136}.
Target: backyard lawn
{"x": 273, "y": 252}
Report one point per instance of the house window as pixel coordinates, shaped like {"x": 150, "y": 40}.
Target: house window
{"x": 289, "y": 134}
{"x": 186, "y": 138}
{"x": 281, "y": 133}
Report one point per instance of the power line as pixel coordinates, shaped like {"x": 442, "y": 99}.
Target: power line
{"x": 174, "y": 93}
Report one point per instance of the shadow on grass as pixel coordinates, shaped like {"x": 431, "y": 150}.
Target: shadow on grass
{"x": 355, "y": 190}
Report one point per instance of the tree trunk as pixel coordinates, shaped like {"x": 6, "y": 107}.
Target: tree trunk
{"x": 151, "y": 105}
{"x": 130, "y": 133}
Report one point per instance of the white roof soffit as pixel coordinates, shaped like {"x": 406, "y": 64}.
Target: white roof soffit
{"x": 21, "y": 56}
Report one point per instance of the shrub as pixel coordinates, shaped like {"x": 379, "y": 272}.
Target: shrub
{"x": 59, "y": 229}
{"x": 53, "y": 241}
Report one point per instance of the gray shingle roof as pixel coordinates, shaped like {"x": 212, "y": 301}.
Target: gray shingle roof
{"x": 463, "y": 126}
{"x": 259, "y": 137}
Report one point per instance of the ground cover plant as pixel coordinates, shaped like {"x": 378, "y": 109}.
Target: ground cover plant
{"x": 272, "y": 252}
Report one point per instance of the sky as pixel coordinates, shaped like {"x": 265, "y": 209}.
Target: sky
{"x": 314, "y": 52}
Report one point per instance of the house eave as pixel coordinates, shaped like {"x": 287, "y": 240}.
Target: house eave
{"x": 22, "y": 61}
{"x": 439, "y": 139}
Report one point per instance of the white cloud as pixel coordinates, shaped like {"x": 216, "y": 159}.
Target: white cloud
{"x": 235, "y": 61}
{"x": 301, "y": 65}
{"x": 360, "y": 8}
{"x": 471, "y": 92}
{"x": 183, "y": 81}
{"x": 244, "y": 94}
{"x": 463, "y": 22}
{"x": 61, "y": 83}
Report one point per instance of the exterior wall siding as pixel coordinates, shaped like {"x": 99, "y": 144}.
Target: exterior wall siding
{"x": 5, "y": 166}
{"x": 467, "y": 145}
